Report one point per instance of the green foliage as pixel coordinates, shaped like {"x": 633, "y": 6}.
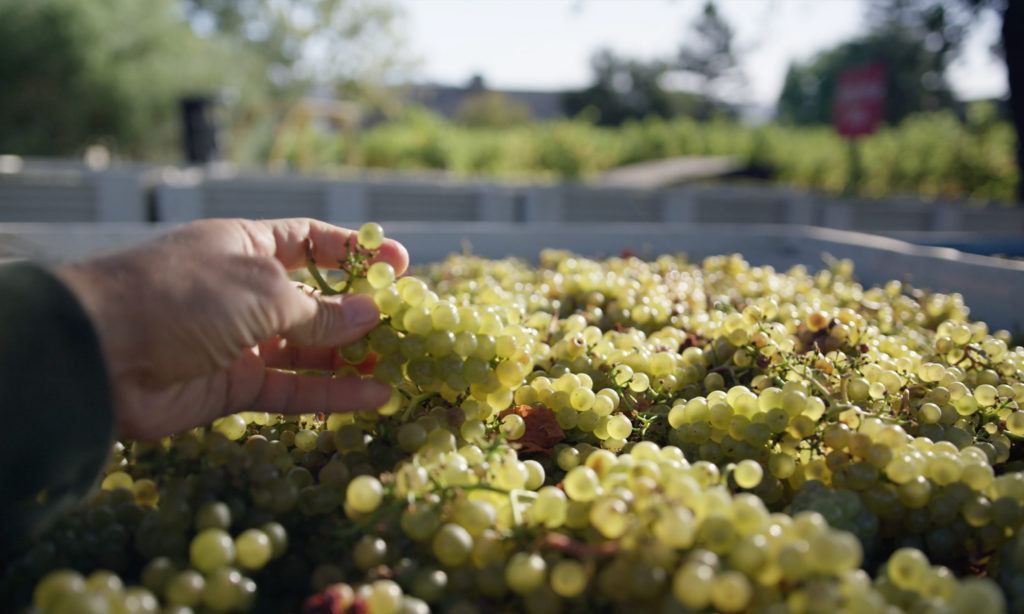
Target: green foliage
{"x": 45, "y": 59}
{"x": 623, "y": 89}
{"x": 339, "y": 43}
{"x": 492, "y": 110}
{"x": 931, "y": 154}
{"x": 114, "y": 71}
{"x": 111, "y": 71}
{"x": 710, "y": 54}
{"x": 914, "y": 39}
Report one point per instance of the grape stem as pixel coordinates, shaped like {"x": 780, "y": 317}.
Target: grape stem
{"x": 324, "y": 287}
{"x": 561, "y": 542}
{"x": 354, "y": 267}
{"x": 415, "y": 402}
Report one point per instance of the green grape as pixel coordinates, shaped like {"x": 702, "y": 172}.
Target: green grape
{"x": 88, "y": 603}
{"x": 105, "y": 582}
{"x": 509, "y": 475}
{"x": 146, "y": 492}
{"x": 117, "y": 479}
{"x": 469, "y": 319}
{"x": 535, "y": 474}
{"x": 619, "y": 426}
{"x": 389, "y": 301}
{"x": 567, "y": 458}
{"x": 509, "y": 373}
{"x": 421, "y": 370}
{"x": 525, "y": 572}
{"x": 364, "y": 493}
{"x": 692, "y": 585}
{"x": 504, "y": 346}
{"x": 490, "y": 322}
{"x": 485, "y": 347}
{"x": 385, "y": 597}
{"x": 416, "y": 320}
{"x": 395, "y": 402}
{"x": 232, "y": 426}
{"x": 907, "y": 568}
{"x": 639, "y": 382}
{"x": 978, "y": 476}
{"x": 369, "y": 553}
{"x": 440, "y": 342}
{"x": 748, "y": 473}
{"x": 452, "y": 544}
{"x": 185, "y": 589}
{"x": 253, "y": 549}
{"x": 306, "y": 440}
{"x": 157, "y": 573}
{"x": 977, "y": 596}
{"x": 550, "y": 508}
{"x": 1015, "y": 423}
{"x": 474, "y": 516}
{"x": 413, "y": 291}
{"x": 211, "y": 548}
{"x": 380, "y": 275}
{"x": 568, "y": 578}
{"x": 222, "y": 590}
{"x": 731, "y": 591}
{"x": 610, "y": 516}
{"x": 370, "y": 235}
{"x": 137, "y": 599}
{"x": 583, "y": 399}
{"x": 513, "y": 426}
{"x": 55, "y": 586}
{"x": 582, "y": 484}
{"x": 465, "y": 343}
{"x": 675, "y": 527}
{"x": 475, "y": 370}
{"x": 278, "y": 538}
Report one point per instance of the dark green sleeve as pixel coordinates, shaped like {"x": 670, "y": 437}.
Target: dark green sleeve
{"x": 56, "y": 410}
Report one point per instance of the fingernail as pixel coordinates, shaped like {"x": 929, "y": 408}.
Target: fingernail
{"x": 360, "y": 310}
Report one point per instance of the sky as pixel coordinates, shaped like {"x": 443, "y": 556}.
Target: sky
{"x": 547, "y": 44}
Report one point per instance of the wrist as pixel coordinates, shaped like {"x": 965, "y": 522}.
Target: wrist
{"x": 101, "y": 297}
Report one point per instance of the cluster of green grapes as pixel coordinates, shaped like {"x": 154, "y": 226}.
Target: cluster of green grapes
{"x": 581, "y": 436}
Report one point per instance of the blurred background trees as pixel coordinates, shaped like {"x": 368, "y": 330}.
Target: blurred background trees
{"x": 114, "y": 71}
{"x": 709, "y": 54}
{"x": 312, "y": 84}
{"x": 628, "y": 89}
{"x": 916, "y": 40}
{"x": 623, "y": 89}
{"x": 77, "y": 73}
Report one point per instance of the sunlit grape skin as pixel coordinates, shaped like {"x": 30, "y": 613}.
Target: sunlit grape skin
{"x": 364, "y": 493}
{"x": 370, "y": 235}
{"x": 210, "y": 549}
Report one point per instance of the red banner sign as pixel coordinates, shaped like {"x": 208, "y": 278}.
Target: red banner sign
{"x": 859, "y": 100}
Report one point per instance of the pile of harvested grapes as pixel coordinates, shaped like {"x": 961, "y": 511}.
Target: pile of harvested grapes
{"x": 588, "y": 436}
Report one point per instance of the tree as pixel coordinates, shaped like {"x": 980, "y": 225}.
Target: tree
{"x": 915, "y": 39}
{"x": 347, "y": 49}
{"x": 308, "y": 42}
{"x": 115, "y": 71}
{"x": 623, "y": 89}
{"x": 75, "y": 73}
{"x": 492, "y": 110}
{"x": 710, "y": 55}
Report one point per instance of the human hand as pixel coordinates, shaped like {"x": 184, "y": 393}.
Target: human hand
{"x": 203, "y": 322}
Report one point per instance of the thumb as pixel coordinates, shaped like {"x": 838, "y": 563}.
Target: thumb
{"x": 330, "y": 321}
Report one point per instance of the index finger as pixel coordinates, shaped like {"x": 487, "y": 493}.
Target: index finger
{"x": 286, "y": 241}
